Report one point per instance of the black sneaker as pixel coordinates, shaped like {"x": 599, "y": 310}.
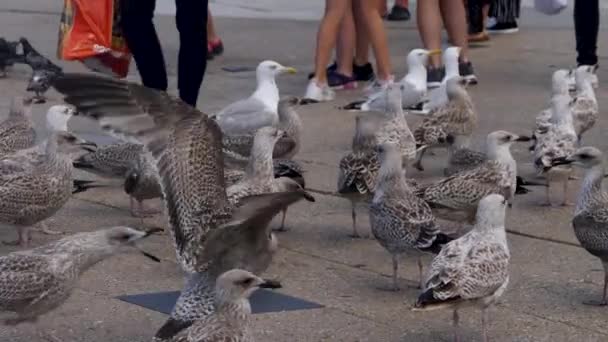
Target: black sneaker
{"x": 399, "y": 13}
{"x": 434, "y": 76}
{"x": 363, "y": 72}
{"x": 503, "y": 28}
{"x": 466, "y": 71}
{"x": 330, "y": 68}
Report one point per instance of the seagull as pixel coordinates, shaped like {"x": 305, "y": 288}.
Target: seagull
{"x": 210, "y": 235}
{"x": 110, "y": 161}
{"x": 559, "y": 140}
{"x": 413, "y": 85}
{"x": 559, "y": 87}
{"x": 472, "y": 270}
{"x": 393, "y": 127}
{"x": 17, "y": 131}
{"x": 461, "y": 193}
{"x": 400, "y": 220}
{"x": 438, "y": 97}
{"x": 237, "y": 148}
{"x": 230, "y": 319}
{"x": 37, "y": 281}
{"x": 585, "y": 108}
{"x": 258, "y": 110}
{"x": 457, "y": 117}
{"x": 141, "y": 183}
{"x": 358, "y": 168}
{"x": 36, "y": 182}
{"x": 590, "y": 220}
{"x": 462, "y": 158}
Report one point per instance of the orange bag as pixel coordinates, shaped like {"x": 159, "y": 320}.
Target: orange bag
{"x": 90, "y": 32}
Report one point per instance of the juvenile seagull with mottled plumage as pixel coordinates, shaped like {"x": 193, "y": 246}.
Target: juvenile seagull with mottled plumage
{"x": 36, "y": 182}
{"x": 229, "y": 321}
{"x": 237, "y": 148}
{"x": 393, "y": 126}
{"x": 37, "y": 281}
{"x": 457, "y": 117}
{"x": 461, "y": 193}
{"x": 559, "y": 140}
{"x": 400, "y": 220}
{"x": 585, "y": 110}
{"x": 17, "y": 131}
{"x": 358, "y": 169}
{"x": 590, "y": 220}
{"x": 472, "y": 270}
{"x": 210, "y": 235}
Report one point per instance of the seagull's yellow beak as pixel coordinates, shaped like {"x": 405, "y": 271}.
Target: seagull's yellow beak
{"x": 290, "y": 70}
{"x": 435, "y": 52}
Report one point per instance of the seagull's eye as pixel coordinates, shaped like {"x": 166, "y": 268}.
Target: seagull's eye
{"x": 273, "y": 67}
{"x": 246, "y": 282}
{"x": 584, "y": 156}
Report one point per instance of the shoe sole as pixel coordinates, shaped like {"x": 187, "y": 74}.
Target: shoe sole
{"x": 347, "y": 86}
{"x": 431, "y": 85}
{"x": 471, "y": 79}
{"x": 507, "y": 31}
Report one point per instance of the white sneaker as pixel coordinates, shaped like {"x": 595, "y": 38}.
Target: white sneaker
{"x": 491, "y": 22}
{"x": 320, "y": 93}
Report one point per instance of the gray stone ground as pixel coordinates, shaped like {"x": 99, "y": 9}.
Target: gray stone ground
{"x": 550, "y": 274}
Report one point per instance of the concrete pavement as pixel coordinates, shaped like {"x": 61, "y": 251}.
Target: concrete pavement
{"x": 550, "y": 275}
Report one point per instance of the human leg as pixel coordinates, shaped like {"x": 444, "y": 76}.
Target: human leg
{"x": 454, "y": 18}
{"x": 429, "y": 26}
{"x": 362, "y": 69}
{"x": 214, "y": 43}
{"x": 505, "y": 13}
{"x": 191, "y": 20}
{"x": 586, "y": 27}
{"x": 140, "y": 34}
{"x": 367, "y": 10}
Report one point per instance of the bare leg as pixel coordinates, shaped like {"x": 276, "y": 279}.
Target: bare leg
{"x": 429, "y": 25}
{"x": 368, "y": 11}
{"x": 132, "y": 206}
{"x": 455, "y": 20}
{"x": 354, "y": 216}
{"x": 44, "y": 229}
{"x": 327, "y": 35}
{"x": 395, "y": 269}
{"x": 565, "y": 202}
{"x": 604, "y": 301}
{"x": 282, "y": 227}
{"x": 23, "y": 238}
{"x": 418, "y": 163}
{"x": 484, "y": 322}
{"x": 455, "y": 319}
{"x": 346, "y": 44}
{"x": 420, "y": 281}
{"x": 362, "y": 40}
{"x": 402, "y": 3}
{"x": 211, "y": 33}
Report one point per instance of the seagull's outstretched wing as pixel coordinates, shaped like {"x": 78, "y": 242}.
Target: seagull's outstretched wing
{"x": 185, "y": 143}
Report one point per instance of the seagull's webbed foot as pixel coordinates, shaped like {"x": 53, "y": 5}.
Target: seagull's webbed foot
{"x": 44, "y": 229}
{"x": 602, "y": 302}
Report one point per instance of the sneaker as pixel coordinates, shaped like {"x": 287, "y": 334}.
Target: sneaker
{"x": 503, "y": 28}
{"x": 337, "y": 80}
{"x": 466, "y": 71}
{"x": 479, "y": 37}
{"x": 399, "y": 13}
{"x": 363, "y": 72}
{"x": 491, "y": 21}
{"x": 434, "y": 76}
{"x": 377, "y": 85}
{"x": 217, "y": 47}
{"x": 319, "y": 93}
{"x": 330, "y": 68}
